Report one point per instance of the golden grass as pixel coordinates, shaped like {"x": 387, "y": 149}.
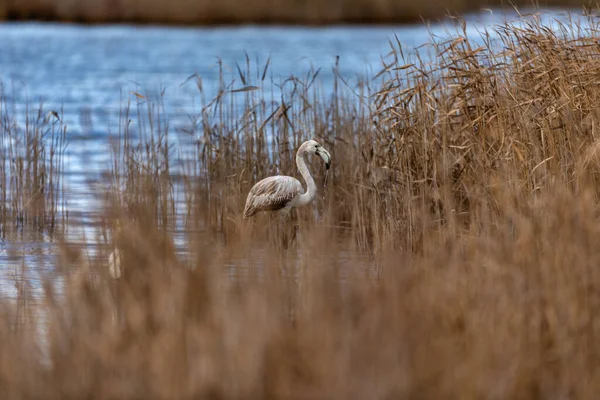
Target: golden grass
{"x": 456, "y": 255}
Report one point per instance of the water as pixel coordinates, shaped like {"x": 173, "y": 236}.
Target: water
{"x": 89, "y": 71}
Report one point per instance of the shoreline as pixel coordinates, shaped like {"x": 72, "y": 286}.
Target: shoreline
{"x": 222, "y": 18}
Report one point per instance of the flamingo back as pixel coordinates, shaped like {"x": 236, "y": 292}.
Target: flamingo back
{"x": 272, "y": 194}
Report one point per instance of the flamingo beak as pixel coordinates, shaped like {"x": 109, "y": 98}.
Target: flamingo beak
{"x": 324, "y": 154}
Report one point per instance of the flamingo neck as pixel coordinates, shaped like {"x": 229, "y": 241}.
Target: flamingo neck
{"x": 311, "y": 188}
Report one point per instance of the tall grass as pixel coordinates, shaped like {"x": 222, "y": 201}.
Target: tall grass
{"x": 31, "y": 168}
{"x": 451, "y": 255}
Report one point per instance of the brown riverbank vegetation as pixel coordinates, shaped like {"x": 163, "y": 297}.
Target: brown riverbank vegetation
{"x": 258, "y": 11}
{"x": 453, "y": 253}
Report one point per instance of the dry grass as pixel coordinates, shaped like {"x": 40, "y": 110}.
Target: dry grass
{"x": 257, "y": 11}
{"x": 31, "y": 168}
{"x": 455, "y": 255}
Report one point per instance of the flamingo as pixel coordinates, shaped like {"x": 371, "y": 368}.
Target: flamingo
{"x": 282, "y": 193}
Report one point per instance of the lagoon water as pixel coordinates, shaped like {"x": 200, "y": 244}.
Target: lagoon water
{"x": 89, "y": 72}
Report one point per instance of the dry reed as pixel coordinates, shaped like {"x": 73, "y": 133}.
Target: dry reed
{"x": 31, "y": 169}
{"x": 453, "y": 255}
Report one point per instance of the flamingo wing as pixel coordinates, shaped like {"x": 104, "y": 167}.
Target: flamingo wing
{"x": 272, "y": 194}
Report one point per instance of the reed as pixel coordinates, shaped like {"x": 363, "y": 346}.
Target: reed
{"x": 31, "y": 168}
{"x": 453, "y": 254}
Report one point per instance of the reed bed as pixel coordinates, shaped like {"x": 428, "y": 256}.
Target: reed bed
{"x": 452, "y": 253}
{"x": 32, "y": 148}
